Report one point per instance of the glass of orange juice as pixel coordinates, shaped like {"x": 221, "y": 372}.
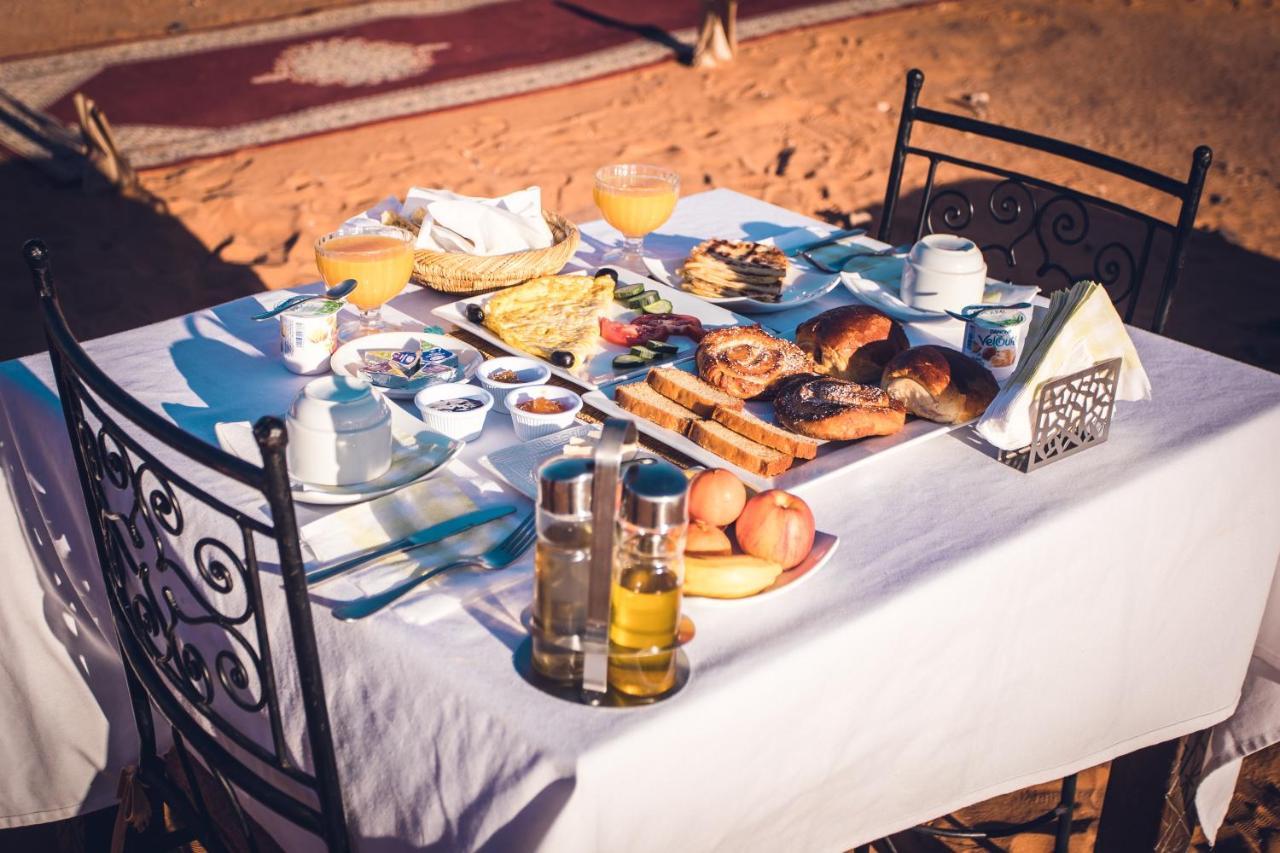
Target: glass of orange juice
{"x": 636, "y": 200}
{"x": 379, "y": 258}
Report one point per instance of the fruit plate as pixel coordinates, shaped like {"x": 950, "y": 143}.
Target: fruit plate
{"x": 833, "y": 456}
{"x": 824, "y": 545}
{"x": 600, "y": 370}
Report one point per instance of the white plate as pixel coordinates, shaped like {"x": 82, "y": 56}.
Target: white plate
{"x": 599, "y": 370}
{"x": 348, "y": 358}
{"x": 802, "y": 284}
{"x": 418, "y": 453}
{"x": 824, "y": 545}
{"x": 832, "y": 456}
{"x": 874, "y": 288}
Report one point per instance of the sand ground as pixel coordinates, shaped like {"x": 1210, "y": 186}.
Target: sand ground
{"x": 803, "y": 119}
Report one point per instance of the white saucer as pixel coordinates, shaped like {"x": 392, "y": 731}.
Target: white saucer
{"x": 347, "y": 360}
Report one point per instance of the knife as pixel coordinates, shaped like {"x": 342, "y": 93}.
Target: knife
{"x": 834, "y": 237}
{"x": 426, "y": 536}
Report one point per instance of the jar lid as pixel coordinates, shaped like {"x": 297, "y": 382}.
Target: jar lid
{"x": 655, "y": 496}
{"x": 339, "y": 404}
{"x": 564, "y": 486}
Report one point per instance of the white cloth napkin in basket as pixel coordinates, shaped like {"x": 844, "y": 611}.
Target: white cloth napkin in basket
{"x": 474, "y": 226}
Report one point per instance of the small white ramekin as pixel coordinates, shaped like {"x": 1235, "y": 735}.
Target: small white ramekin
{"x": 463, "y": 426}
{"x": 529, "y": 425}
{"x": 531, "y": 373}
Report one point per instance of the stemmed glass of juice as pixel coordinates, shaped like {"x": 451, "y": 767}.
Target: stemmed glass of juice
{"x": 379, "y": 258}
{"x": 635, "y": 199}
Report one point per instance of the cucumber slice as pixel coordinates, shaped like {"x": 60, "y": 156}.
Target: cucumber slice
{"x": 646, "y": 298}
{"x": 663, "y": 348}
{"x": 644, "y": 352}
{"x": 630, "y": 361}
{"x": 661, "y": 306}
{"x": 627, "y": 291}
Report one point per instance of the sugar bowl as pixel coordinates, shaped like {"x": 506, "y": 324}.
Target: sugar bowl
{"x": 339, "y": 432}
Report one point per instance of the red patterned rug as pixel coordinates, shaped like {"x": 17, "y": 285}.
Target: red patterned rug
{"x": 207, "y": 93}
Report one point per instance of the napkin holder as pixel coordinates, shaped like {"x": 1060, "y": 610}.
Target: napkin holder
{"x": 1069, "y": 414}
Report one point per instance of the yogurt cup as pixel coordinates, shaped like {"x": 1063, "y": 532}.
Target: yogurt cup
{"x": 309, "y": 335}
{"x": 455, "y": 409}
{"x": 993, "y": 336}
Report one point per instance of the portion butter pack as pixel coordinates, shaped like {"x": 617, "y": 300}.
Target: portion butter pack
{"x": 409, "y": 368}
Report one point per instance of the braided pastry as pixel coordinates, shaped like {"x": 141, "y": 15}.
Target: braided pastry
{"x": 746, "y": 361}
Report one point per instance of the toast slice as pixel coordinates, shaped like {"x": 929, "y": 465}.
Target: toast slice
{"x": 690, "y": 391}
{"x": 739, "y": 449}
{"x": 640, "y": 399}
{"x": 746, "y": 424}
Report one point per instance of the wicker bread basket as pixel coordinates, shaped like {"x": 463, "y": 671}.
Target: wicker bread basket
{"x": 457, "y": 272}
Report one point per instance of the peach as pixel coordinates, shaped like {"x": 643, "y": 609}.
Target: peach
{"x": 716, "y": 496}
{"x": 777, "y": 526}
{"x": 707, "y": 540}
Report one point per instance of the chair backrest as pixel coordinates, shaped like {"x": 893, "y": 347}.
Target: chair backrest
{"x": 183, "y": 583}
{"x": 1043, "y": 228}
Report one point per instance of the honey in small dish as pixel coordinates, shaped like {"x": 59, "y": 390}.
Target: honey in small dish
{"x": 543, "y": 406}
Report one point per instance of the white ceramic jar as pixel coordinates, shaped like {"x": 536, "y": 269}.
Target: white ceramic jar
{"x": 455, "y": 409}
{"x": 339, "y": 433}
{"x": 943, "y": 273}
{"x": 530, "y": 425}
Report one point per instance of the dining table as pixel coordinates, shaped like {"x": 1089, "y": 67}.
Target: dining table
{"x": 978, "y": 630}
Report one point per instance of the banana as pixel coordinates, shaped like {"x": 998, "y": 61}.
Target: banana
{"x": 737, "y": 576}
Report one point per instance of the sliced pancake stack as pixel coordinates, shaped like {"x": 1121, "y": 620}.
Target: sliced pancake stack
{"x": 719, "y": 268}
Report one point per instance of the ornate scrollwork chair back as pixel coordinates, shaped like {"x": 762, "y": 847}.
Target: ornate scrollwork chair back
{"x": 1041, "y": 232}
{"x": 186, "y": 590}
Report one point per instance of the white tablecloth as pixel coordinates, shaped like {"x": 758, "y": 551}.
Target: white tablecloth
{"x": 979, "y": 629}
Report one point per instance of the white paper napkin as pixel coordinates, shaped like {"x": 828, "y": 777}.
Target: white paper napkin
{"x": 1093, "y": 332}
{"x": 479, "y": 226}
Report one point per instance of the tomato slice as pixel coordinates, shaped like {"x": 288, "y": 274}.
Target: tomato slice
{"x": 630, "y": 334}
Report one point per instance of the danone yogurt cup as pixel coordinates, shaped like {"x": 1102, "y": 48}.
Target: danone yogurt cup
{"x": 994, "y": 335}
{"x": 309, "y": 335}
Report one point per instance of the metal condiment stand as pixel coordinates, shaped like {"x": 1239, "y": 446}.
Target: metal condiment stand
{"x": 618, "y": 441}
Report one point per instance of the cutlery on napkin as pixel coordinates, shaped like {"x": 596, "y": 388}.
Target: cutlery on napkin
{"x": 367, "y": 525}
{"x": 1080, "y": 329}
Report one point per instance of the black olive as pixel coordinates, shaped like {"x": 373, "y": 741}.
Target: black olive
{"x": 475, "y": 313}
{"x": 562, "y": 358}
{"x": 609, "y": 271}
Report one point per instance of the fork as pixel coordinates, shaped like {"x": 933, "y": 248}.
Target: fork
{"x": 499, "y": 556}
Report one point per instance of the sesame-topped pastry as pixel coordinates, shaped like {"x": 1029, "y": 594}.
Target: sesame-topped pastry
{"x": 837, "y": 410}
{"x": 745, "y": 361}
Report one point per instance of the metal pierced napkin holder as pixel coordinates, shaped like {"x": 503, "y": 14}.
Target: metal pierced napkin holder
{"x": 1069, "y": 414}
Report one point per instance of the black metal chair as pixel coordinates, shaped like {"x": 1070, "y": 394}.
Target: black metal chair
{"x": 1038, "y": 229}
{"x": 186, "y": 594}
{"x": 1037, "y": 224}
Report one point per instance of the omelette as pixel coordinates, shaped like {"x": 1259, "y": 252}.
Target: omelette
{"x": 555, "y": 312}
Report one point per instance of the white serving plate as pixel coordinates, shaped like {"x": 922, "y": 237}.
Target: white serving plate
{"x": 801, "y": 284}
{"x": 824, "y": 545}
{"x": 418, "y": 454}
{"x": 600, "y": 370}
{"x": 832, "y": 456}
{"x": 348, "y": 358}
{"x": 873, "y": 288}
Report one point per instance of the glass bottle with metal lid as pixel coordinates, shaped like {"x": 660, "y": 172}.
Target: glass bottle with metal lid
{"x": 562, "y": 563}
{"x": 648, "y": 578}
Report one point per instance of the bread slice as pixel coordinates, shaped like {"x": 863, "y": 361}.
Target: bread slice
{"x": 739, "y": 449}
{"x": 639, "y": 399}
{"x": 690, "y": 391}
{"x": 746, "y": 424}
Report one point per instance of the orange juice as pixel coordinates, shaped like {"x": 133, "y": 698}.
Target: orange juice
{"x": 380, "y": 264}
{"x": 635, "y": 204}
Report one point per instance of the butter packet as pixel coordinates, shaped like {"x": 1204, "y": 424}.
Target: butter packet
{"x": 409, "y": 367}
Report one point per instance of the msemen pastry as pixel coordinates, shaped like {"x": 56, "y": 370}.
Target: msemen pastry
{"x": 852, "y": 342}
{"x": 555, "y": 312}
{"x": 719, "y": 268}
{"x": 940, "y": 384}
{"x": 834, "y": 409}
{"x": 746, "y": 361}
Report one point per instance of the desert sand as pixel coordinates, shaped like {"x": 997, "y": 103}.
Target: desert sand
{"x": 804, "y": 119}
